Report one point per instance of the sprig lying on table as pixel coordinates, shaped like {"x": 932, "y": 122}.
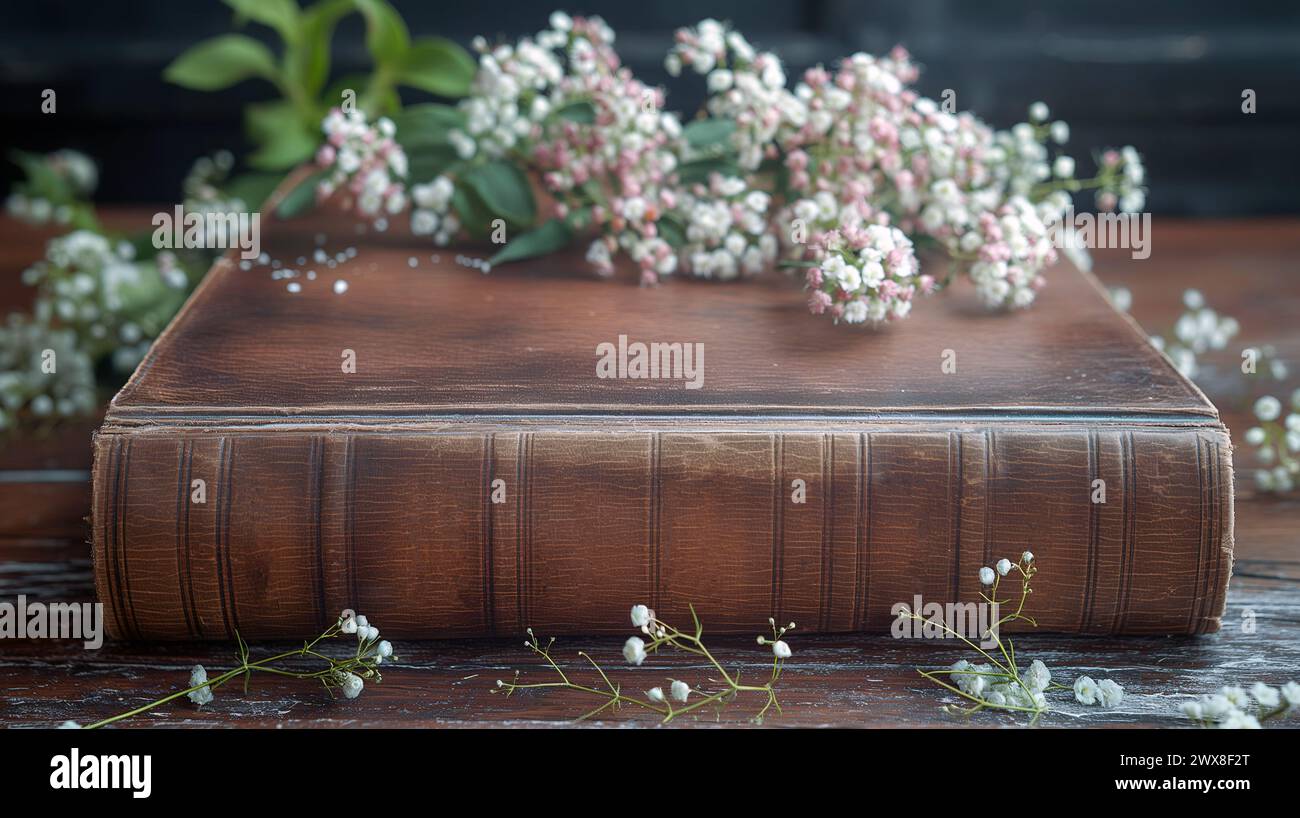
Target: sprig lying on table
{"x": 682, "y": 697}
{"x": 999, "y": 682}
{"x": 348, "y": 675}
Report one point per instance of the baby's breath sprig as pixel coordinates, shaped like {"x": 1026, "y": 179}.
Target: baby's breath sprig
{"x": 1234, "y": 708}
{"x": 1277, "y": 443}
{"x": 347, "y": 675}
{"x": 1198, "y": 330}
{"x": 998, "y": 683}
{"x": 682, "y": 697}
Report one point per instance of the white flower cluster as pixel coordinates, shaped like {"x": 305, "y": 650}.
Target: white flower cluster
{"x": 985, "y": 682}
{"x": 863, "y": 274}
{"x": 75, "y": 177}
{"x": 634, "y": 649}
{"x": 1277, "y": 443}
{"x": 95, "y": 287}
{"x": 202, "y": 188}
{"x": 1106, "y": 693}
{"x": 431, "y": 214}
{"x": 510, "y": 93}
{"x": 203, "y": 695}
{"x": 364, "y": 163}
{"x": 1011, "y": 247}
{"x": 371, "y": 652}
{"x": 1198, "y": 330}
{"x": 594, "y": 134}
{"x": 1130, "y": 175}
{"x": 859, "y": 147}
{"x": 1234, "y": 708}
{"x": 726, "y": 229}
{"x": 745, "y": 86}
{"x": 28, "y": 384}
{"x": 780, "y": 648}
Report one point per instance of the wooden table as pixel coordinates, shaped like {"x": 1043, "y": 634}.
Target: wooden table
{"x": 1246, "y": 269}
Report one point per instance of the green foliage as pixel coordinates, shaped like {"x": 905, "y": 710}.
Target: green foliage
{"x": 504, "y": 190}
{"x": 705, "y": 134}
{"x": 554, "y": 235}
{"x": 222, "y": 62}
{"x": 286, "y": 130}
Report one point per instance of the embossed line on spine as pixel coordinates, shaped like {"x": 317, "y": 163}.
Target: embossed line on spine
{"x": 654, "y": 534}
{"x": 529, "y": 516}
{"x": 485, "y": 492}
{"x": 990, "y": 495}
{"x": 957, "y": 488}
{"x": 825, "y": 588}
{"x": 1094, "y": 533}
{"x": 1195, "y": 611}
{"x": 122, "y": 550}
{"x": 350, "y": 463}
{"x": 317, "y": 469}
{"x": 1214, "y": 535}
{"x": 862, "y": 566}
{"x": 219, "y": 541}
{"x": 778, "y": 525}
{"x": 521, "y": 449}
{"x": 1222, "y": 561}
{"x": 184, "y": 578}
{"x": 1130, "y": 532}
{"x": 112, "y": 571}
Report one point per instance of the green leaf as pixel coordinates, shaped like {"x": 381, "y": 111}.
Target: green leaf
{"x": 307, "y": 61}
{"x": 473, "y": 214}
{"x": 505, "y": 191}
{"x": 428, "y": 161}
{"x": 281, "y": 15}
{"x": 699, "y": 170}
{"x": 421, "y": 126}
{"x": 386, "y": 36}
{"x": 579, "y": 218}
{"x": 439, "y": 66}
{"x": 301, "y": 199}
{"x": 582, "y": 112}
{"x": 284, "y": 140}
{"x": 671, "y": 231}
{"x": 552, "y": 236}
{"x": 221, "y": 62}
{"x": 708, "y": 133}
{"x": 43, "y": 180}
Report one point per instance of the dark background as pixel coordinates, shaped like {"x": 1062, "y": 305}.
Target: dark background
{"x": 1166, "y": 77}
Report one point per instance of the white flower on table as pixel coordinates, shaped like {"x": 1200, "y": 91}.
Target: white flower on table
{"x": 634, "y": 650}
{"x": 199, "y": 676}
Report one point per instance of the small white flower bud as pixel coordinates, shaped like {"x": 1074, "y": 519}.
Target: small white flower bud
{"x": 1109, "y": 693}
{"x": 640, "y": 616}
{"x": 1027, "y": 557}
{"x": 1268, "y": 408}
{"x": 634, "y": 650}
{"x": 781, "y": 649}
{"x": 1004, "y": 566}
{"x": 656, "y": 694}
{"x": 986, "y": 575}
{"x": 352, "y": 685}
{"x": 681, "y": 691}
{"x": 1085, "y": 690}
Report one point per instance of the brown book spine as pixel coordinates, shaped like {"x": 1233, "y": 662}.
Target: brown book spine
{"x": 437, "y": 531}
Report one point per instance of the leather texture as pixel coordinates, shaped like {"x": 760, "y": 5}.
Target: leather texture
{"x": 375, "y": 490}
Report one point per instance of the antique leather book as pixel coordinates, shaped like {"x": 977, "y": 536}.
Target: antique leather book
{"x": 475, "y": 474}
